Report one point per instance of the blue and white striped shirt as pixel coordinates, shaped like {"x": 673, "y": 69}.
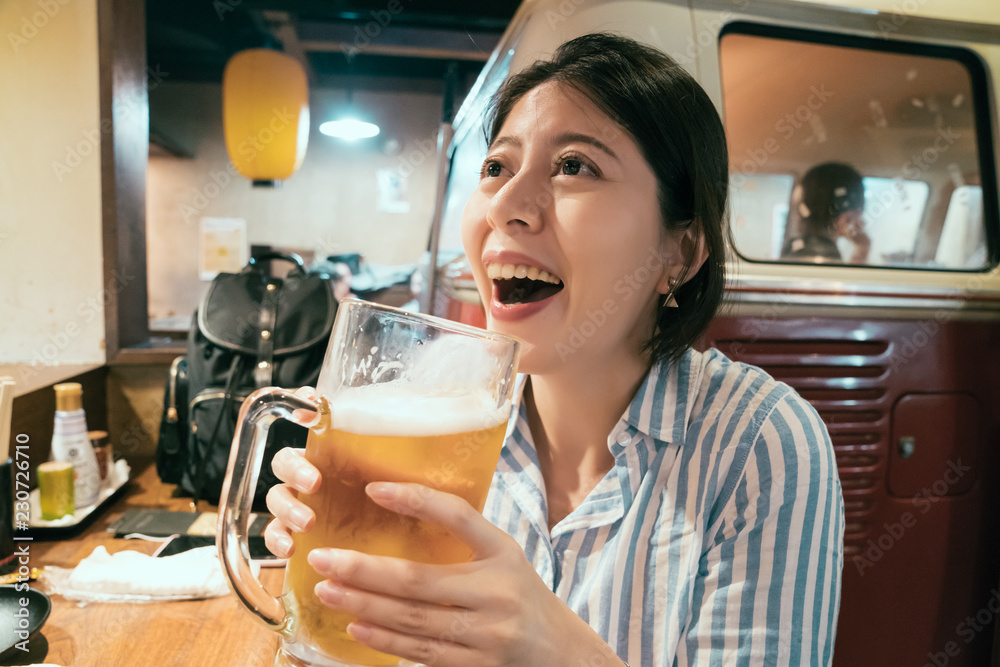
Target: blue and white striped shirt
{"x": 716, "y": 538}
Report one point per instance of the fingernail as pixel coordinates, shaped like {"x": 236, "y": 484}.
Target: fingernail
{"x": 329, "y": 592}
{"x": 305, "y": 478}
{"x": 284, "y": 544}
{"x": 359, "y": 632}
{"x": 324, "y": 561}
{"x": 382, "y": 490}
{"x": 299, "y": 517}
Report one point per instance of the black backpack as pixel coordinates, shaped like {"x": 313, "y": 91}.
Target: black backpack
{"x": 250, "y": 331}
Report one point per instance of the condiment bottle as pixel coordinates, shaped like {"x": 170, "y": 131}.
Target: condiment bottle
{"x": 105, "y": 457}
{"x": 70, "y": 443}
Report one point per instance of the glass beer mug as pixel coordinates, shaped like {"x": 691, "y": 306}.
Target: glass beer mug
{"x": 402, "y": 398}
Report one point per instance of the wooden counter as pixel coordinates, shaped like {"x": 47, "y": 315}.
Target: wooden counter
{"x": 217, "y": 632}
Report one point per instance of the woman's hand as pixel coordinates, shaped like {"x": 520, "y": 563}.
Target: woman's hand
{"x": 291, "y": 467}
{"x": 494, "y": 610}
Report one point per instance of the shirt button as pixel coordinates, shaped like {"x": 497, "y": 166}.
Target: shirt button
{"x": 624, "y": 438}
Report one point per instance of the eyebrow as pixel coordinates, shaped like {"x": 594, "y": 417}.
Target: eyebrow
{"x": 559, "y": 140}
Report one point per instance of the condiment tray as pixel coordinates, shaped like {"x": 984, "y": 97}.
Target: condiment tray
{"x": 73, "y": 524}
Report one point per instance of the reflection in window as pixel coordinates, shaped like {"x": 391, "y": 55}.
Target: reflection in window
{"x": 899, "y": 118}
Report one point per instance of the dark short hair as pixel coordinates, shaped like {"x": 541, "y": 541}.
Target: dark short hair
{"x": 678, "y": 130}
{"x": 828, "y": 190}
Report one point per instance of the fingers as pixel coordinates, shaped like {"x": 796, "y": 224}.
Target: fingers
{"x": 424, "y": 633}
{"x": 411, "y": 617}
{"x": 444, "y": 509}
{"x": 307, "y": 392}
{"x": 278, "y": 540}
{"x": 291, "y": 467}
{"x": 289, "y": 510}
{"x": 305, "y": 416}
{"x": 433, "y": 584}
{"x": 419, "y": 649}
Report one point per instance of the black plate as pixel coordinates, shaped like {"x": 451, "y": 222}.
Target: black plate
{"x": 11, "y": 614}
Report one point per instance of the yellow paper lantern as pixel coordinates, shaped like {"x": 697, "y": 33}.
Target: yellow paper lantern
{"x": 265, "y": 113}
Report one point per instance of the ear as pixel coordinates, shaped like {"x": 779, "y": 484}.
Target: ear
{"x": 691, "y": 250}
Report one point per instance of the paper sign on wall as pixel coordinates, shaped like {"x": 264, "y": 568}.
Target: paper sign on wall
{"x": 224, "y": 246}
{"x": 391, "y": 191}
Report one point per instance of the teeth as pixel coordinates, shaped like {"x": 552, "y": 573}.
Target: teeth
{"x": 507, "y": 271}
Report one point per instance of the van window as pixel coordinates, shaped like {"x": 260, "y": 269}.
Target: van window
{"x": 759, "y": 205}
{"x": 892, "y": 215}
{"x": 846, "y": 150}
{"x": 963, "y": 241}
{"x": 468, "y": 148}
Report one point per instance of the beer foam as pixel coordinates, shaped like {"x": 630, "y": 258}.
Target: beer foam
{"x": 453, "y": 364}
{"x": 399, "y": 408}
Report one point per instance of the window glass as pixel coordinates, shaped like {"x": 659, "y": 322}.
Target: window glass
{"x": 857, "y": 152}
{"x": 760, "y": 211}
{"x": 892, "y": 215}
{"x": 962, "y": 239}
{"x": 463, "y": 179}
{"x": 468, "y": 152}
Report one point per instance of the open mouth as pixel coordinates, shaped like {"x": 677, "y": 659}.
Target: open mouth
{"x": 520, "y": 283}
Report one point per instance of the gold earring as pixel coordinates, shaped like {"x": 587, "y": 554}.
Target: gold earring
{"x": 670, "y": 301}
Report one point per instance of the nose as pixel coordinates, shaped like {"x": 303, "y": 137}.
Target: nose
{"x": 521, "y": 204}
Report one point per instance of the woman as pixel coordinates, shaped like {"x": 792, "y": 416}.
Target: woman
{"x": 652, "y": 504}
{"x": 830, "y": 202}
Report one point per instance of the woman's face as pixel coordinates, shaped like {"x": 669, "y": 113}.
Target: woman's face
{"x": 564, "y": 233}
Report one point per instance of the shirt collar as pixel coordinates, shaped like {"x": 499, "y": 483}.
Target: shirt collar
{"x": 662, "y": 406}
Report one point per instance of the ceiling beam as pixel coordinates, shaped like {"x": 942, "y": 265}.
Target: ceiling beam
{"x": 376, "y": 39}
{"x": 282, "y": 27}
{"x": 452, "y": 14}
{"x": 390, "y": 50}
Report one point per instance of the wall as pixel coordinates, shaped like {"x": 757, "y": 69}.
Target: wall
{"x": 52, "y": 296}
{"x": 135, "y": 406}
{"x": 51, "y": 304}
{"x": 328, "y": 206}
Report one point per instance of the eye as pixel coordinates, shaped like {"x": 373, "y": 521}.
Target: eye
{"x": 574, "y": 166}
{"x": 491, "y": 169}
{"x": 571, "y": 167}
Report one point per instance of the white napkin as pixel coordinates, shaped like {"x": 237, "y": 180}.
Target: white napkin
{"x": 131, "y": 576}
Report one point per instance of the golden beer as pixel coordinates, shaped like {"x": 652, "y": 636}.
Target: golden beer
{"x": 448, "y": 443}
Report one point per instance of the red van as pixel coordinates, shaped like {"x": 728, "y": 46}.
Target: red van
{"x": 887, "y": 320}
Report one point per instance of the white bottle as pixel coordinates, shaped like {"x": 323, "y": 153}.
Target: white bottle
{"x": 71, "y": 445}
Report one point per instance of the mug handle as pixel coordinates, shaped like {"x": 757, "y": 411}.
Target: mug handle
{"x": 259, "y": 411}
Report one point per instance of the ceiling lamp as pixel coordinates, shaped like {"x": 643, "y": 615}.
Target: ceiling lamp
{"x": 349, "y": 127}
{"x": 265, "y": 114}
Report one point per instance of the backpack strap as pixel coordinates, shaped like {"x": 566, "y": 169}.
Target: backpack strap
{"x": 171, "y": 416}
{"x": 262, "y": 374}
{"x": 227, "y": 401}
